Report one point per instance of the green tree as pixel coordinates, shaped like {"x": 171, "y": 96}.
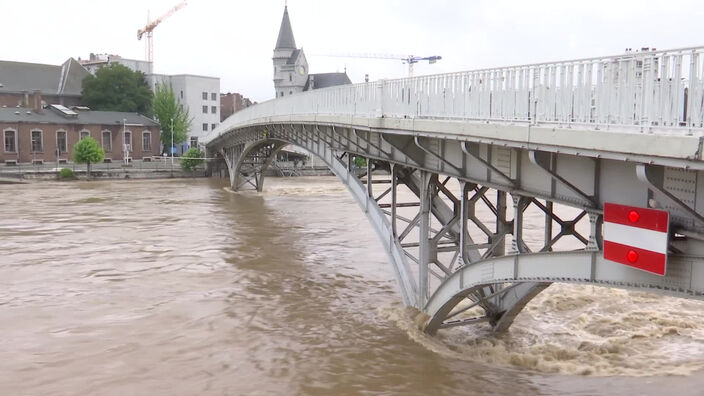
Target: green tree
{"x": 66, "y": 174}
{"x": 191, "y": 158}
{"x": 117, "y": 88}
{"x": 170, "y": 114}
{"x": 87, "y": 151}
{"x": 360, "y": 162}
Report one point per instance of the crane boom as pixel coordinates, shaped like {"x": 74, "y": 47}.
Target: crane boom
{"x": 409, "y": 59}
{"x": 149, "y": 29}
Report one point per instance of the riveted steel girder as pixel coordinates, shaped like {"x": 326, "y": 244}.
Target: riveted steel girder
{"x": 422, "y": 195}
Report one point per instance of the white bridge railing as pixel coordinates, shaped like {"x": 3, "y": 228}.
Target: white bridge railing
{"x": 649, "y": 91}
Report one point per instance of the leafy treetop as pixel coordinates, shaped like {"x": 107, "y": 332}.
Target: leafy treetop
{"x": 87, "y": 151}
{"x": 117, "y": 88}
{"x": 167, "y": 108}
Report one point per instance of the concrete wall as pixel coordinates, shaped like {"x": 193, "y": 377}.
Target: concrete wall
{"x": 134, "y": 64}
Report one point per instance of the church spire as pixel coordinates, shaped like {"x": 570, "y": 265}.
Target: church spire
{"x": 285, "y": 39}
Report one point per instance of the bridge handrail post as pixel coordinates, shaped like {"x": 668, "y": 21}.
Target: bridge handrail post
{"x": 380, "y": 98}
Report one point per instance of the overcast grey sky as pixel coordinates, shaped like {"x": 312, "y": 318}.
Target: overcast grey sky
{"x": 234, "y": 39}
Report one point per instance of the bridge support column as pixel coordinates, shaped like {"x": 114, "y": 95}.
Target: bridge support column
{"x": 424, "y": 238}
{"x": 596, "y": 220}
{"x": 248, "y": 164}
{"x": 465, "y": 188}
{"x": 502, "y": 227}
{"x": 519, "y": 206}
{"x": 394, "y": 199}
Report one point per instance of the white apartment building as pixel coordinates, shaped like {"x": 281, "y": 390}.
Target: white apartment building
{"x": 201, "y": 96}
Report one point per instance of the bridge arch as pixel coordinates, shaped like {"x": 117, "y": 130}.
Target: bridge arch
{"x": 248, "y": 162}
{"x": 491, "y": 278}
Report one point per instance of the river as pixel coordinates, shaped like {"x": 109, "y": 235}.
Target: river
{"x": 179, "y": 287}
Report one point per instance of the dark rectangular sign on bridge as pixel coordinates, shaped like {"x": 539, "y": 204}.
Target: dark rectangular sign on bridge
{"x": 637, "y": 237}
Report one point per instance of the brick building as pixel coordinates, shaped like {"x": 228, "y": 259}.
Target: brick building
{"x": 19, "y": 81}
{"x": 39, "y": 135}
{"x": 231, "y": 103}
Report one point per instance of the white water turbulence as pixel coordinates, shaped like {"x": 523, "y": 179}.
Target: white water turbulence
{"x": 581, "y": 330}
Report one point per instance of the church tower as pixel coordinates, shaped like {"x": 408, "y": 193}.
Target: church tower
{"x": 290, "y": 65}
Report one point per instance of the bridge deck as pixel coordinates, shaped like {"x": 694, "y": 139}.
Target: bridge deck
{"x": 652, "y": 92}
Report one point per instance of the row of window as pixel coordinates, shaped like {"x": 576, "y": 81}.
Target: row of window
{"x": 213, "y": 96}
{"x": 37, "y": 137}
{"x": 213, "y": 109}
{"x": 205, "y": 126}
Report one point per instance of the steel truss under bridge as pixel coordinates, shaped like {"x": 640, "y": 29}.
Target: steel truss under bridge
{"x": 422, "y": 196}
{"x": 456, "y": 162}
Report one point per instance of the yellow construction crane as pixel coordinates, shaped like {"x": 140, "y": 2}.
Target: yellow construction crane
{"x": 149, "y": 30}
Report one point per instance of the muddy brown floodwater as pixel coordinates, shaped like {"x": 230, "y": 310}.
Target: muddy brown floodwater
{"x": 182, "y": 288}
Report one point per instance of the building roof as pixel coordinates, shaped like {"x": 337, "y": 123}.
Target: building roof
{"x": 325, "y": 80}
{"x": 49, "y": 116}
{"x": 66, "y": 79}
{"x": 285, "y": 40}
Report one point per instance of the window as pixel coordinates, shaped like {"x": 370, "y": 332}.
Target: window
{"x": 214, "y": 109}
{"x": 147, "y": 141}
{"x": 127, "y": 142}
{"x": 290, "y": 77}
{"x": 213, "y": 96}
{"x": 37, "y": 142}
{"x": 84, "y": 134}
{"x": 282, "y": 93}
{"x": 205, "y": 126}
{"x": 61, "y": 146}
{"x": 212, "y": 126}
{"x": 181, "y": 94}
{"x": 205, "y": 109}
{"x": 290, "y": 92}
{"x": 10, "y": 139}
{"x": 107, "y": 141}
{"x": 194, "y": 141}
{"x": 205, "y": 96}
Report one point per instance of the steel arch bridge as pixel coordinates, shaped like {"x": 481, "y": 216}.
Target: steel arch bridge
{"x": 626, "y": 129}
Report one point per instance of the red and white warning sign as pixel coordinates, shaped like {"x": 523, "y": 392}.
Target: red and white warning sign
{"x": 637, "y": 237}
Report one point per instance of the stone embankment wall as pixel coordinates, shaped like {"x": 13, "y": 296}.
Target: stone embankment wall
{"x": 103, "y": 175}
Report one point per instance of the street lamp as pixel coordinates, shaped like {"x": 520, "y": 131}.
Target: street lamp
{"x": 125, "y": 154}
{"x": 172, "y": 142}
